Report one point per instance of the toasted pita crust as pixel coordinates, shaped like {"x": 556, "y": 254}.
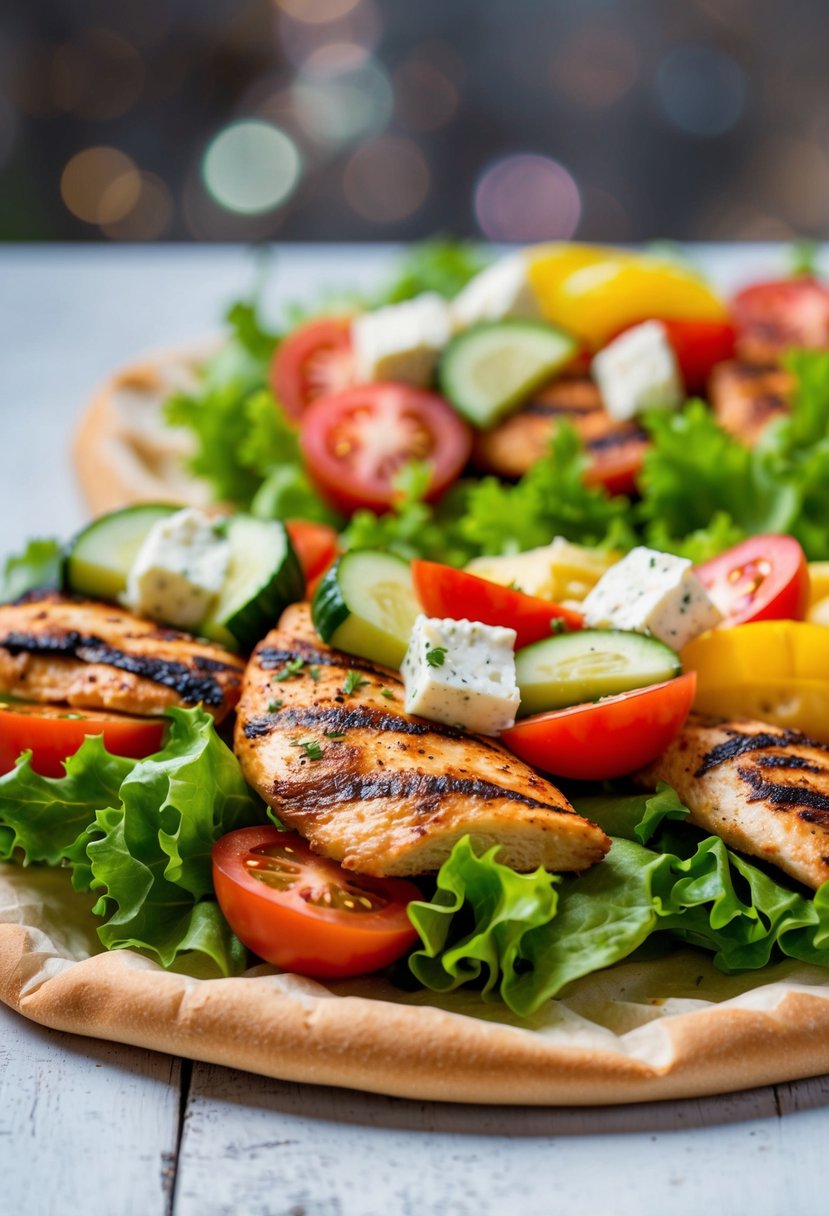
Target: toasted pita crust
{"x": 124, "y": 452}
{"x": 368, "y": 1035}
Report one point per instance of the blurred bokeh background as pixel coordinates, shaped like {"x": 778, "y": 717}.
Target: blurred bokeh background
{"x": 391, "y": 119}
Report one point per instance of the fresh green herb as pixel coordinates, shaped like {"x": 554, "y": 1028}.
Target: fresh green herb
{"x": 804, "y": 259}
{"x": 443, "y": 266}
{"x": 314, "y": 673}
{"x": 72, "y": 717}
{"x": 436, "y": 656}
{"x": 37, "y": 567}
{"x": 558, "y": 625}
{"x": 387, "y": 693}
{"x": 311, "y": 748}
{"x": 333, "y": 734}
{"x": 275, "y": 706}
{"x": 353, "y": 681}
{"x": 292, "y": 668}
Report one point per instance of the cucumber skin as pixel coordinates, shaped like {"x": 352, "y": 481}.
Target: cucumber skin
{"x": 70, "y": 548}
{"x": 328, "y": 608}
{"x": 253, "y": 620}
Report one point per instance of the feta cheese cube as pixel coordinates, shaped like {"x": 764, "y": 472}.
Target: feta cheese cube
{"x": 462, "y": 673}
{"x": 179, "y": 570}
{"x": 401, "y": 341}
{"x": 638, "y": 371}
{"x": 500, "y": 291}
{"x": 652, "y": 592}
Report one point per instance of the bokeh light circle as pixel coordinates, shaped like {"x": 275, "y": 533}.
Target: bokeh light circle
{"x": 251, "y": 167}
{"x": 317, "y": 12}
{"x": 338, "y": 102}
{"x": 527, "y": 197}
{"x": 701, "y": 90}
{"x": 100, "y": 185}
{"x": 387, "y": 179}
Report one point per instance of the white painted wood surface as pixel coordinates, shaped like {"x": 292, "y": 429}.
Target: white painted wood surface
{"x": 104, "y": 1130}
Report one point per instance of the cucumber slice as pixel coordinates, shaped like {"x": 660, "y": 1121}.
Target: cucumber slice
{"x": 589, "y": 664}
{"x": 263, "y": 578}
{"x": 492, "y": 367}
{"x": 98, "y": 561}
{"x": 366, "y": 605}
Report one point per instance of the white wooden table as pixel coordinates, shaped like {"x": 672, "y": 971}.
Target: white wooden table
{"x": 104, "y": 1130}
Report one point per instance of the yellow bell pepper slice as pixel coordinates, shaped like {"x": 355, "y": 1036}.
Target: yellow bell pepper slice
{"x": 558, "y": 571}
{"x": 593, "y": 291}
{"x": 818, "y": 612}
{"x": 775, "y": 671}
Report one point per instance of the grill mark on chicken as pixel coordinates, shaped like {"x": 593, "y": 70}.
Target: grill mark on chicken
{"x": 353, "y": 718}
{"x": 739, "y": 744}
{"x": 550, "y": 408}
{"x": 786, "y": 795}
{"x": 352, "y": 787}
{"x": 270, "y": 658}
{"x": 788, "y": 762}
{"x": 615, "y": 439}
{"x": 90, "y": 649}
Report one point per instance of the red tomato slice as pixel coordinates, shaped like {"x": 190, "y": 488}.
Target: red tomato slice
{"x": 312, "y": 362}
{"x": 766, "y": 578}
{"x": 606, "y": 738}
{"x": 616, "y": 459}
{"x": 306, "y": 913}
{"x": 455, "y": 595}
{"x": 316, "y": 545}
{"x": 775, "y": 315}
{"x": 355, "y": 442}
{"x": 54, "y": 732}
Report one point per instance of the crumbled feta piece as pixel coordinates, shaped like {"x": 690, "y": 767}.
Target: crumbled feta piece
{"x": 638, "y": 371}
{"x": 499, "y": 292}
{"x": 179, "y": 570}
{"x": 402, "y": 341}
{"x": 655, "y": 593}
{"x": 462, "y": 673}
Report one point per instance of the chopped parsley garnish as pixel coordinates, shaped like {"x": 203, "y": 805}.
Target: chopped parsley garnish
{"x": 558, "y": 625}
{"x": 334, "y": 734}
{"x": 292, "y": 668}
{"x": 311, "y": 748}
{"x": 436, "y": 656}
{"x": 314, "y": 673}
{"x": 387, "y": 693}
{"x": 353, "y": 681}
{"x": 275, "y": 706}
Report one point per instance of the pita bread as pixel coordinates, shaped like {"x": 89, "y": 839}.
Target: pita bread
{"x": 673, "y": 1028}
{"x": 636, "y": 1032}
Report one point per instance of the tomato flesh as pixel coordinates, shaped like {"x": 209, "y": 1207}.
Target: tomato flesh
{"x": 54, "y": 732}
{"x": 305, "y": 913}
{"x": 775, "y": 315}
{"x": 765, "y": 578}
{"x": 356, "y": 442}
{"x": 607, "y": 738}
{"x": 316, "y": 545}
{"x": 313, "y": 361}
{"x": 455, "y": 595}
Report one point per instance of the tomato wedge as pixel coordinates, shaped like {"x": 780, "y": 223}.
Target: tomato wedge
{"x": 775, "y": 315}
{"x": 455, "y": 595}
{"x": 312, "y": 362}
{"x": 54, "y": 732}
{"x": 316, "y": 545}
{"x": 606, "y": 738}
{"x": 306, "y": 913}
{"x": 765, "y": 578}
{"x": 356, "y": 442}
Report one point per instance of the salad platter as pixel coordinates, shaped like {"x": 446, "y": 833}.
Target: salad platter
{"x": 462, "y": 560}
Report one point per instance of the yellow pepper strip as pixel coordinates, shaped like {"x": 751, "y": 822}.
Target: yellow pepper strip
{"x": 556, "y": 572}
{"x": 774, "y": 671}
{"x": 594, "y": 291}
{"x": 818, "y": 611}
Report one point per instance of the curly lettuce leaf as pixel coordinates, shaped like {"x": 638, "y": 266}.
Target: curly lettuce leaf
{"x": 37, "y": 567}
{"x": 524, "y": 938}
{"x": 443, "y": 266}
{"x": 139, "y": 832}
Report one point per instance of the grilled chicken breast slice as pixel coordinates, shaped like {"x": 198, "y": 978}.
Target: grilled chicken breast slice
{"x": 745, "y": 398}
{"x": 512, "y": 447}
{"x": 98, "y": 656}
{"x": 378, "y": 790}
{"x": 763, "y": 789}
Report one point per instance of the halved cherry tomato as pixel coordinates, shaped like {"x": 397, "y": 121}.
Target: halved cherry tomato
{"x": 766, "y": 578}
{"x": 606, "y": 738}
{"x": 355, "y": 442}
{"x": 54, "y": 732}
{"x": 772, "y": 316}
{"x": 316, "y": 545}
{"x": 698, "y": 345}
{"x": 455, "y": 595}
{"x": 306, "y": 913}
{"x": 312, "y": 362}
